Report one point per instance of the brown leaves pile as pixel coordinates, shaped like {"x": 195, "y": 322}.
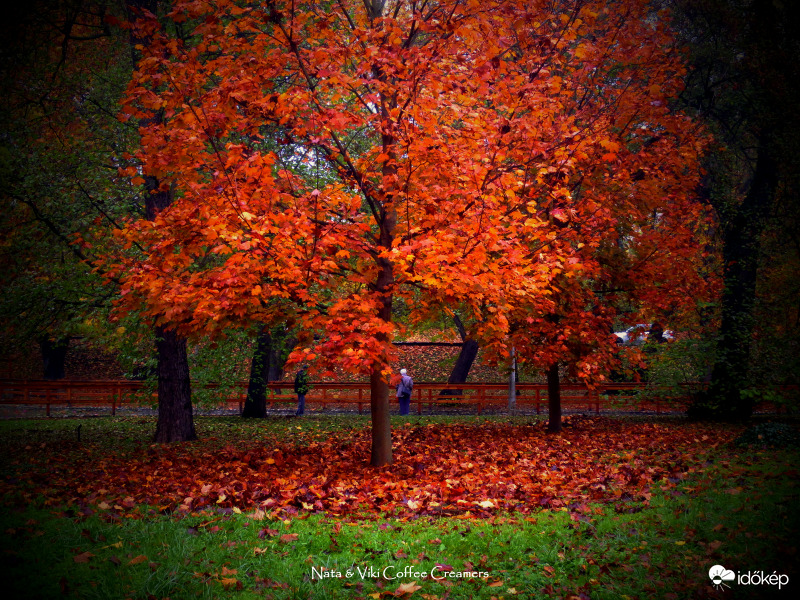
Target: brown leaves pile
{"x": 439, "y": 470}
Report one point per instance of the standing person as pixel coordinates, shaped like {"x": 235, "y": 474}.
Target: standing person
{"x": 404, "y": 391}
{"x": 301, "y": 388}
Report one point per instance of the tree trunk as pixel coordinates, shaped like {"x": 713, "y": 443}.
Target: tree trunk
{"x": 175, "y": 419}
{"x": 464, "y": 362}
{"x": 54, "y": 354}
{"x": 512, "y": 383}
{"x": 267, "y": 365}
{"x": 741, "y": 246}
{"x": 378, "y": 385}
{"x": 381, "y": 424}
{"x": 255, "y": 405}
{"x": 466, "y": 356}
{"x": 553, "y": 399}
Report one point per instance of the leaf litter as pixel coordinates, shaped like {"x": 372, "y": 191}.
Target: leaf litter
{"x": 439, "y": 470}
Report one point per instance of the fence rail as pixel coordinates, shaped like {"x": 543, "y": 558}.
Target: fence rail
{"x": 124, "y": 393}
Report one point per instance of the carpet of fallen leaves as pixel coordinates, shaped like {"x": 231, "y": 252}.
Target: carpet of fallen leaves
{"x": 466, "y": 470}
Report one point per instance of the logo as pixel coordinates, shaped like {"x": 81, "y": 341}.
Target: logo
{"x": 719, "y": 575}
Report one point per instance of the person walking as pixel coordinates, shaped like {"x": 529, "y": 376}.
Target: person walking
{"x": 404, "y": 391}
{"x": 301, "y": 388}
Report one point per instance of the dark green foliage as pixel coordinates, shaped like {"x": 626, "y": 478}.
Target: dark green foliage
{"x": 770, "y": 435}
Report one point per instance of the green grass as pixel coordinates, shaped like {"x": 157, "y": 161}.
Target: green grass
{"x": 740, "y": 511}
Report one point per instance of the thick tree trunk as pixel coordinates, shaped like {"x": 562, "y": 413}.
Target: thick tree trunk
{"x": 54, "y": 354}
{"x": 742, "y": 236}
{"x": 554, "y": 399}
{"x": 175, "y": 419}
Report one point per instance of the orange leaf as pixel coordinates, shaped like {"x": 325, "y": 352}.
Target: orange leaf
{"x": 407, "y": 588}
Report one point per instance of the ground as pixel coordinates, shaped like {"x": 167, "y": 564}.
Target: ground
{"x": 286, "y": 508}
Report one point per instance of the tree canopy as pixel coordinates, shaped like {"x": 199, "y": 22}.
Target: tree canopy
{"x": 326, "y": 160}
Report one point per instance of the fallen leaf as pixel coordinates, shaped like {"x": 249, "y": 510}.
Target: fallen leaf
{"x": 83, "y": 557}
{"x": 407, "y": 588}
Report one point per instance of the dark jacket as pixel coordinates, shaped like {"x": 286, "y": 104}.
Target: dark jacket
{"x": 301, "y": 383}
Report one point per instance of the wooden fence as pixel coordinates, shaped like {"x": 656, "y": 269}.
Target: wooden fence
{"x": 433, "y": 396}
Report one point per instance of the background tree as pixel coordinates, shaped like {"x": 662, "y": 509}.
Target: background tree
{"x": 744, "y": 83}
{"x": 269, "y": 357}
{"x": 62, "y": 70}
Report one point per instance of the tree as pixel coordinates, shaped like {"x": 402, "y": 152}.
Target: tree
{"x": 744, "y": 83}
{"x": 328, "y": 162}
{"x": 65, "y": 66}
{"x": 466, "y": 356}
{"x": 267, "y": 365}
{"x": 62, "y": 69}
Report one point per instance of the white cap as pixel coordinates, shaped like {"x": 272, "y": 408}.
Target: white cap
{"x": 403, "y": 371}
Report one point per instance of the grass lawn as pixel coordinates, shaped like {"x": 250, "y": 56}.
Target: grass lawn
{"x": 473, "y": 507}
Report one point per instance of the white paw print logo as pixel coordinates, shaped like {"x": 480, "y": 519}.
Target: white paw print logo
{"x": 719, "y": 575}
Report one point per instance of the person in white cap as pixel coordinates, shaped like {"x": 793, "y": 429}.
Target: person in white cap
{"x": 404, "y": 391}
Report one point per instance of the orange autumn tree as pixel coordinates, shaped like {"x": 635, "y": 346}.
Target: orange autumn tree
{"x": 329, "y": 159}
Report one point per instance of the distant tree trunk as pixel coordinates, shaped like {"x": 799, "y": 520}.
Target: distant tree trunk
{"x": 175, "y": 419}
{"x": 54, "y": 354}
{"x": 267, "y": 365}
{"x": 469, "y": 350}
{"x": 255, "y": 406}
{"x": 741, "y": 237}
{"x": 554, "y": 399}
{"x": 512, "y": 383}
